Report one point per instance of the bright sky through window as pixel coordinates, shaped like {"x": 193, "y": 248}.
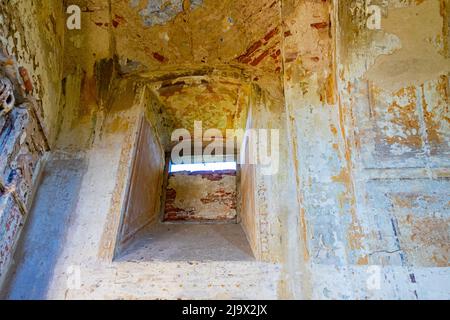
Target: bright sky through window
{"x": 195, "y": 167}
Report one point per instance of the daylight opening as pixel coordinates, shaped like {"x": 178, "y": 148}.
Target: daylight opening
{"x": 199, "y": 167}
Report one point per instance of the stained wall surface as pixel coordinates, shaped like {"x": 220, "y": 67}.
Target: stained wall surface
{"x": 247, "y": 215}
{"x": 360, "y": 103}
{"x": 32, "y": 37}
{"x": 401, "y": 138}
{"x": 201, "y": 197}
{"x": 31, "y": 43}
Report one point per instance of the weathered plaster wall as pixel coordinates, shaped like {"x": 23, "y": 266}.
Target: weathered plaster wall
{"x": 266, "y": 201}
{"x": 354, "y": 147}
{"x": 122, "y": 124}
{"x": 398, "y": 129}
{"x": 274, "y": 205}
{"x": 247, "y": 215}
{"x": 31, "y": 45}
{"x": 143, "y": 204}
{"x": 88, "y": 75}
{"x": 323, "y": 227}
{"x": 32, "y": 35}
{"x": 201, "y": 197}
{"x": 218, "y": 102}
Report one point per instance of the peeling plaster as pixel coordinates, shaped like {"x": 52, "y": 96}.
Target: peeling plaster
{"x": 418, "y": 28}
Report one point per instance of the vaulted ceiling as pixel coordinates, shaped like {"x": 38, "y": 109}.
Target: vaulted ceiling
{"x": 205, "y": 51}
{"x": 219, "y": 103}
{"x": 155, "y": 35}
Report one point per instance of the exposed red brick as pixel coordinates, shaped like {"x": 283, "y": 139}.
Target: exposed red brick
{"x": 117, "y": 20}
{"x": 246, "y": 57}
{"x": 260, "y": 58}
{"x": 320, "y": 25}
{"x": 159, "y": 57}
{"x": 26, "y": 80}
{"x": 272, "y": 33}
